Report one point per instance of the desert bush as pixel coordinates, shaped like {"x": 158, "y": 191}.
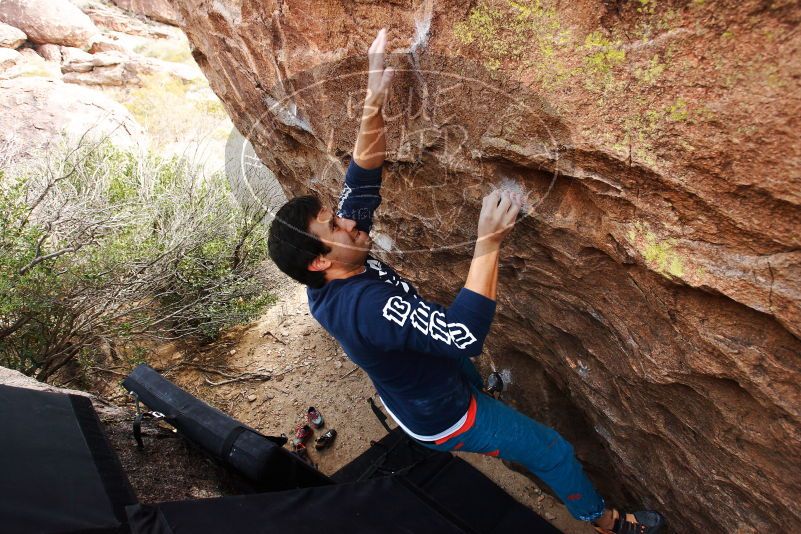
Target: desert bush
{"x": 99, "y": 247}
{"x": 166, "y": 50}
{"x": 172, "y": 110}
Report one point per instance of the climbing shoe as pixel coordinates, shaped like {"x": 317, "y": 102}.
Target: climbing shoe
{"x": 314, "y": 418}
{"x": 643, "y": 522}
{"x": 325, "y": 440}
{"x": 302, "y": 434}
{"x": 494, "y": 384}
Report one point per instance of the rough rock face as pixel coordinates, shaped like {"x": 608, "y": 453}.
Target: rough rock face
{"x": 50, "y": 52}
{"x": 11, "y": 37}
{"x": 35, "y": 112}
{"x": 49, "y": 21}
{"x": 117, "y": 68}
{"x": 159, "y": 10}
{"x": 8, "y": 58}
{"x": 113, "y": 57}
{"x": 111, "y": 18}
{"x": 650, "y": 301}
{"x": 9, "y": 377}
{"x": 30, "y": 55}
{"x": 105, "y": 43}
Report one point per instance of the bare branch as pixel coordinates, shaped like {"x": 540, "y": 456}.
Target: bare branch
{"x": 242, "y": 378}
{"x": 133, "y": 263}
{"x": 36, "y": 261}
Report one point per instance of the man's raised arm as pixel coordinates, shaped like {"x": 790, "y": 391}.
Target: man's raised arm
{"x": 361, "y": 193}
{"x": 498, "y": 213}
{"x": 459, "y": 330}
{"x": 370, "y": 143}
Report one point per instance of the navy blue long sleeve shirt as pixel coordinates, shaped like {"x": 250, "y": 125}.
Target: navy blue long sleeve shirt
{"x": 411, "y": 348}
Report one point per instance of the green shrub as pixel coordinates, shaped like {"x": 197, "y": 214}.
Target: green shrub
{"x": 104, "y": 246}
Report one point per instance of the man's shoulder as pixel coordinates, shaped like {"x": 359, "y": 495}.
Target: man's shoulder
{"x": 380, "y": 270}
{"x": 345, "y": 292}
{"x": 348, "y": 309}
{"x": 377, "y": 281}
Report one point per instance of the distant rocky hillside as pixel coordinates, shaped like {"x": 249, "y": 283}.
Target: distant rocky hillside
{"x": 109, "y": 70}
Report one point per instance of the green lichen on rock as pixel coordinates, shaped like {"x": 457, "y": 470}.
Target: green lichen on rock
{"x": 601, "y": 55}
{"x": 646, "y": 6}
{"x": 482, "y": 29}
{"x": 502, "y": 31}
{"x": 650, "y": 74}
{"x": 659, "y": 254}
{"x": 677, "y": 111}
{"x": 529, "y": 35}
{"x": 642, "y": 129}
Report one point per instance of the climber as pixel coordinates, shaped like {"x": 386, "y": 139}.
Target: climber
{"x": 417, "y": 352}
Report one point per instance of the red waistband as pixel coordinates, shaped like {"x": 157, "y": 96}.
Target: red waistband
{"x": 468, "y": 424}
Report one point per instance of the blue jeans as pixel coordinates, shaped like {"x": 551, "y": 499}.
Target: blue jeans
{"x": 499, "y": 430}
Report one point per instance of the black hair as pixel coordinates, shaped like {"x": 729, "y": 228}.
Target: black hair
{"x": 291, "y": 244}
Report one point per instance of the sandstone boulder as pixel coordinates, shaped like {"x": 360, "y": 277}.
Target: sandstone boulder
{"x": 30, "y": 55}
{"x": 12, "y": 378}
{"x": 116, "y": 68}
{"x": 142, "y": 65}
{"x": 76, "y": 60}
{"x": 159, "y": 10}
{"x": 117, "y": 75}
{"x": 49, "y": 21}
{"x": 38, "y": 113}
{"x": 9, "y": 377}
{"x": 650, "y": 301}
{"x": 9, "y": 58}
{"x": 110, "y": 17}
{"x": 11, "y": 37}
{"x": 29, "y": 63}
{"x": 106, "y": 43}
{"x": 50, "y": 52}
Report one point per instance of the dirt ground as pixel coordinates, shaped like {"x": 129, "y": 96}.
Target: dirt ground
{"x": 308, "y": 368}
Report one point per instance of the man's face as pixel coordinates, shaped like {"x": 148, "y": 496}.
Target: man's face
{"x": 349, "y": 245}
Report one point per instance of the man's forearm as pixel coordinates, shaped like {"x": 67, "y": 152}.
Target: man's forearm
{"x": 370, "y": 146}
{"x": 498, "y": 212}
{"x": 483, "y": 275}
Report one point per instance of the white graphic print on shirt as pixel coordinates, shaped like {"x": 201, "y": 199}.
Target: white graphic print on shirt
{"x": 431, "y": 323}
{"x": 391, "y": 278}
{"x": 343, "y": 196}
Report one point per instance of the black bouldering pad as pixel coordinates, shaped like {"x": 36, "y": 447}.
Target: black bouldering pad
{"x": 58, "y": 471}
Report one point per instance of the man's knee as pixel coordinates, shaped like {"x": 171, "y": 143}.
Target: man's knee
{"x": 557, "y": 451}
